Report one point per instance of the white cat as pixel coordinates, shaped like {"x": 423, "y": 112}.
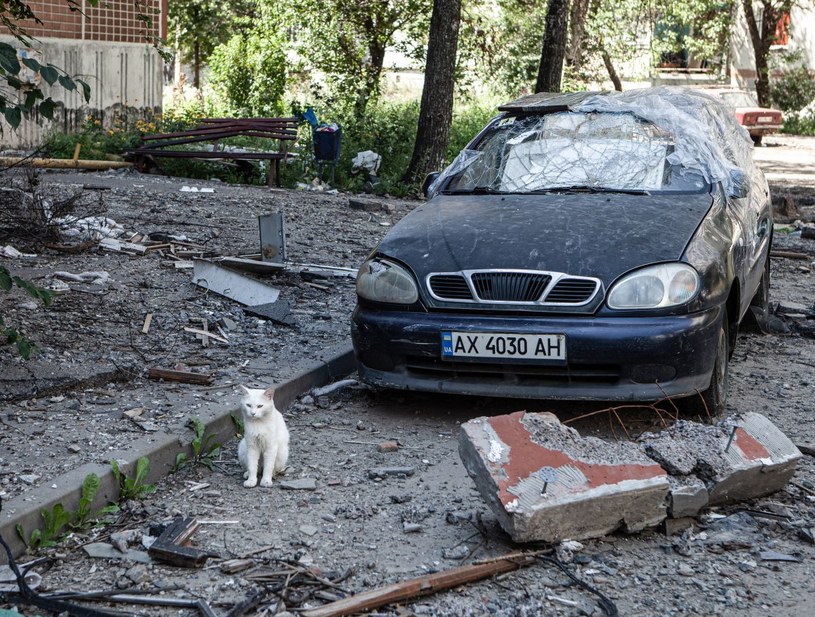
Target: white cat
{"x": 264, "y": 435}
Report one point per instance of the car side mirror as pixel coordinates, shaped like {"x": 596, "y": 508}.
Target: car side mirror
{"x": 429, "y": 179}
{"x": 739, "y": 186}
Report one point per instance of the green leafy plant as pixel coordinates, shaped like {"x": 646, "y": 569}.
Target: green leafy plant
{"x": 135, "y": 487}
{"x": 204, "y": 448}
{"x": 85, "y": 517}
{"x": 55, "y": 522}
{"x": 8, "y": 334}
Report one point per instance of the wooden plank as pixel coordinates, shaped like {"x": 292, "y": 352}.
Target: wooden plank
{"x": 206, "y": 333}
{"x": 169, "y": 547}
{"x": 147, "y": 321}
{"x": 790, "y": 255}
{"x": 421, "y": 586}
{"x": 201, "y": 379}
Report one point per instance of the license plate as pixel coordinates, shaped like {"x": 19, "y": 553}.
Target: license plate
{"x": 765, "y": 119}
{"x": 500, "y": 345}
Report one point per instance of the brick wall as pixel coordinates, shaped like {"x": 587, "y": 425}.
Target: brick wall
{"x": 110, "y": 20}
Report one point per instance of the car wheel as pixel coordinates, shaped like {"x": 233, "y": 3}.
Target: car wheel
{"x": 760, "y": 304}
{"x": 756, "y": 139}
{"x": 713, "y": 400}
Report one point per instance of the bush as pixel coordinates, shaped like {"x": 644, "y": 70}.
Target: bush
{"x": 96, "y": 141}
{"x": 799, "y": 123}
{"x": 794, "y": 90}
{"x": 389, "y": 129}
{"x": 249, "y": 74}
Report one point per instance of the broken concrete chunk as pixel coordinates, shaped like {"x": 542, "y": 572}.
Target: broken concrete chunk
{"x": 546, "y": 483}
{"x": 384, "y": 472}
{"x": 742, "y": 457}
{"x": 103, "y": 550}
{"x": 301, "y": 484}
{"x": 688, "y": 496}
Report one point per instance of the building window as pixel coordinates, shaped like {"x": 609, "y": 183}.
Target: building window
{"x": 782, "y": 30}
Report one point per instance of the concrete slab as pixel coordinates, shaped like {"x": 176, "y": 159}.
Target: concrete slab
{"x": 742, "y": 457}
{"x": 545, "y": 482}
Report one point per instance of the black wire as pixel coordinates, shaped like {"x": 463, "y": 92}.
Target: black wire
{"x": 609, "y": 608}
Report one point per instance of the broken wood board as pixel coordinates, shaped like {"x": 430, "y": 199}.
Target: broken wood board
{"x": 112, "y": 244}
{"x": 171, "y": 548}
{"x": 206, "y": 333}
{"x": 421, "y": 586}
{"x": 231, "y": 284}
{"x": 201, "y": 379}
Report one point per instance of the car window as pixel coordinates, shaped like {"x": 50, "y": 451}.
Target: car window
{"x": 738, "y": 99}
{"x": 570, "y": 150}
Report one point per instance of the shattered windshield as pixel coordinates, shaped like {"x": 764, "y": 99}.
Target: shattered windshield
{"x": 570, "y": 151}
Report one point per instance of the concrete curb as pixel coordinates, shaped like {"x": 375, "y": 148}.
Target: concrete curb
{"x": 160, "y": 449}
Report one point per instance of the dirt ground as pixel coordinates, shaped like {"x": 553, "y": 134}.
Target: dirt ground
{"x": 348, "y": 524}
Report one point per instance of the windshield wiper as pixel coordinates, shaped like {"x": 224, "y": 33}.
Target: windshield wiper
{"x": 580, "y": 188}
{"x": 476, "y": 190}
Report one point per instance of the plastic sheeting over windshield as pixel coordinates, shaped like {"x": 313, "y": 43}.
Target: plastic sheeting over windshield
{"x": 615, "y": 141}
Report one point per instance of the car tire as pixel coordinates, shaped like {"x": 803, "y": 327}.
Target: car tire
{"x": 756, "y": 139}
{"x": 712, "y": 402}
{"x": 760, "y": 304}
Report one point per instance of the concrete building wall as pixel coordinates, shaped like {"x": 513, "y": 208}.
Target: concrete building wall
{"x": 106, "y": 48}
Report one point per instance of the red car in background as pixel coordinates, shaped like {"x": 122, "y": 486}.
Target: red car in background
{"x": 759, "y": 121}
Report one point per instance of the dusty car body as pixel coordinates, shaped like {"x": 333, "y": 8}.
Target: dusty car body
{"x": 584, "y": 246}
{"x": 758, "y": 121}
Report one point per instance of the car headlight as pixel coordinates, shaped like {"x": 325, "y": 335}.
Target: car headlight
{"x": 659, "y": 286}
{"x": 380, "y": 280}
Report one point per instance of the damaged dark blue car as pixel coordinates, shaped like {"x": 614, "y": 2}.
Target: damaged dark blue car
{"x": 586, "y": 246}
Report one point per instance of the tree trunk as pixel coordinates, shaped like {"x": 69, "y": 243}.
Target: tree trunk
{"x": 762, "y": 40}
{"x": 372, "y": 75}
{"x": 436, "y": 112}
{"x": 196, "y": 62}
{"x": 550, "y": 70}
{"x": 612, "y": 72}
{"x": 577, "y": 28}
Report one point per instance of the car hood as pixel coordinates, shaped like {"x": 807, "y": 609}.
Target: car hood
{"x": 601, "y": 235}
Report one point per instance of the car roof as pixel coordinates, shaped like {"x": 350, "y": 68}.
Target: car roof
{"x": 547, "y": 102}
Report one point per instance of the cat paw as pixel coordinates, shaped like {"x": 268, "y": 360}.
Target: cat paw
{"x": 250, "y": 482}
{"x": 266, "y": 483}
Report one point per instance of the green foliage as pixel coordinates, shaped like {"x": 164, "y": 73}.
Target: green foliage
{"x": 135, "y": 487}
{"x": 799, "y": 123}
{"x": 8, "y": 334}
{"x": 793, "y": 90}
{"x": 204, "y": 449}
{"x": 248, "y": 72}
{"x": 57, "y": 521}
{"x": 53, "y": 529}
{"x": 97, "y": 142}
{"x": 201, "y": 25}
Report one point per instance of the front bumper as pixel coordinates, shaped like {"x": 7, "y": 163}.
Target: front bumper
{"x": 608, "y": 358}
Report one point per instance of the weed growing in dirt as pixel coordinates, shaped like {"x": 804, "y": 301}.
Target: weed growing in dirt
{"x": 204, "y": 449}
{"x": 135, "y": 487}
{"x": 57, "y": 521}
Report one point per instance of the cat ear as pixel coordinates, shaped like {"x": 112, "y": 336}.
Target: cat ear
{"x": 269, "y": 394}
{"x": 244, "y": 388}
